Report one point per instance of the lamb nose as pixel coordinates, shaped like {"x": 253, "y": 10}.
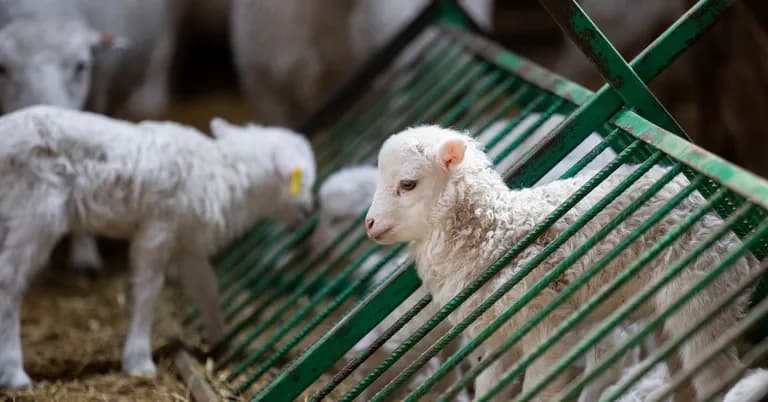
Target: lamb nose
{"x": 369, "y": 223}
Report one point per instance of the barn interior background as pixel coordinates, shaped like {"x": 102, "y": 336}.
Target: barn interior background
{"x": 718, "y": 91}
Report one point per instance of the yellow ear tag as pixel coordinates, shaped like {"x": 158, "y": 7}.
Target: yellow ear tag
{"x": 295, "y": 184}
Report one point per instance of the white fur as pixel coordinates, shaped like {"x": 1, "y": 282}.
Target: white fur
{"x": 65, "y": 52}
{"x": 291, "y": 54}
{"x": 176, "y": 194}
{"x": 750, "y": 388}
{"x": 461, "y": 217}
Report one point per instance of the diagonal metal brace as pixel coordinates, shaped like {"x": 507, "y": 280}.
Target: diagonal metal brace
{"x": 623, "y": 79}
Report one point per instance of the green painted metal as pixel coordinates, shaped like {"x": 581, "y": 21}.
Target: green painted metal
{"x": 466, "y": 82}
{"x": 572, "y": 19}
{"x": 333, "y": 345}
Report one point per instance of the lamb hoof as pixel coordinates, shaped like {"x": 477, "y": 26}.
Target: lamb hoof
{"x": 139, "y": 368}
{"x": 91, "y": 271}
{"x": 15, "y": 379}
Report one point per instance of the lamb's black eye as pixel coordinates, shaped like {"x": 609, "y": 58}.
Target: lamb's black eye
{"x": 408, "y": 185}
{"x": 3, "y": 71}
{"x": 80, "y": 68}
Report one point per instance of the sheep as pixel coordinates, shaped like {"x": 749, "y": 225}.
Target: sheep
{"x": 57, "y": 53}
{"x": 438, "y": 192}
{"x": 71, "y": 67}
{"x": 347, "y": 193}
{"x": 175, "y": 193}
{"x": 753, "y": 387}
{"x": 290, "y": 54}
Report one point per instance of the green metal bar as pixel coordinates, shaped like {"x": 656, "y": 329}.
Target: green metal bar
{"x": 605, "y": 102}
{"x": 298, "y": 316}
{"x": 490, "y": 272}
{"x": 432, "y": 87}
{"x": 537, "y": 102}
{"x": 624, "y": 312}
{"x": 571, "y": 288}
{"x": 752, "y": 187}
{"x": 286, "y": 304}
{"x": 355, "y": 120}
{"x": 587, "y": 36}
{"x": 665, "y": 350}
{"x": 554, "y": 105}
{"x": 509, "y": 84}
{"x": 591, "y": 155}
{"x": 294, "y": 283}
{"x": 319, "y": 318}
{"x": 328, "y": 349}
{"x": 257, "y": 271}
{"x": 362, "y": 356}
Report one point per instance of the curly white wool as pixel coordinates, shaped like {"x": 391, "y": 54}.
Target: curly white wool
{"x": 176, "y": 194}
{"x": 461, "y": 217}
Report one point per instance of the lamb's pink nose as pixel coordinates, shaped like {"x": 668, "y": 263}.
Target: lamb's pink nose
{"x": 369, "y": 223}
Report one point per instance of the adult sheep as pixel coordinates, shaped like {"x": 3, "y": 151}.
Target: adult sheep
{"x": 290, "y": 54}
{"x": 438, "y": 191}
{"x": 176, "y": 194}
{"x": 100, "y": 55}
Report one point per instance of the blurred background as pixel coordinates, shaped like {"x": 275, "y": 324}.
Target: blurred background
{"x": 717, "y": 90}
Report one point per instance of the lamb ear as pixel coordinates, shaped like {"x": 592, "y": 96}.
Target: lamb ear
{"x": 451, "y": 153}
{"x": 220, "y": 128}
{"x": 104, "y": 40}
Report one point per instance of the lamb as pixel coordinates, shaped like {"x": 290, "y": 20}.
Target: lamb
{"x": 347, "y": 193}
{"x": 438, "y": 192}
{"x": 176, "y": 194}
{"x": 753, "y": 387}
{"x": 58, "y": 53}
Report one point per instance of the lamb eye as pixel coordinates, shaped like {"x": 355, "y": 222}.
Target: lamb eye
{"x": 407, "y": 185}
{"x": 80, "y": 67}
{"x": 3, "y": 70}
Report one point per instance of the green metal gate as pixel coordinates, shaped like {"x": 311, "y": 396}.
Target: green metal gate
{"x": 293, "y": 320}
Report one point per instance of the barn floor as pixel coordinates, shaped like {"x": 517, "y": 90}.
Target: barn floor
{"x": 73, "y": 328}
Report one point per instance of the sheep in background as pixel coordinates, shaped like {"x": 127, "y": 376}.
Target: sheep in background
{"x": 175, "y": 193}
{"x": 437, "y": 191}
{"x": 753, "y": 387}
{"x": 78, "y": 53}
{"x": 291, "y": 54}
{"x": 42, "y": 64}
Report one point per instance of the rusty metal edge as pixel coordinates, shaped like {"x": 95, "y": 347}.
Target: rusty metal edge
{"x": 739, "y": 180}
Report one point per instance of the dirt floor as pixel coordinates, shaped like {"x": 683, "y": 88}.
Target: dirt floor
{"x": 73, "y": 328}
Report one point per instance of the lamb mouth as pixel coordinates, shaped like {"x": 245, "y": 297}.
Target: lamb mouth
{"x": 378, "y": 235}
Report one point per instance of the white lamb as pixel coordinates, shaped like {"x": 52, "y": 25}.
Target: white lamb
{"x": 176, "y": 194}
{"x": 438, "y": 191}
{"x": 103, "y": 56}
{"x": 753, "y": 387}
{"x": 346, "y": 194}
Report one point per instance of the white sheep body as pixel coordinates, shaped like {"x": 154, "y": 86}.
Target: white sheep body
{"x": 751, "y": 388}
{"x": 473, "y": 218}
{"x": 290, "y": 54}
{"x": 176, "y": 194}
